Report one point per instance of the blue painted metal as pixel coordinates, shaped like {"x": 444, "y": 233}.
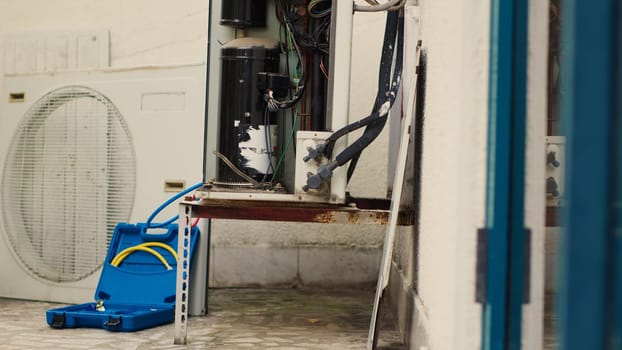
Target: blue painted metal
{"x": 517, "y": 233}
{"x": 506, "y": 171}
{"x": 493, "y": 327}
{"x": 615, "y": 337}
{"x": 590, "y": 277}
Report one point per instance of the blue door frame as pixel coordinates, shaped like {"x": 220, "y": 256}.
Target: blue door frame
{"x": 590, "y": 305}
{"x": 507, "y": 238}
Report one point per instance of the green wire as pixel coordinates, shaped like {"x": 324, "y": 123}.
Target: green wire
{"x": 290, "y": 57}
{"x": 294, "y": 111}
{"x": 289, "y": 141}
{"x": 291, "y": 51}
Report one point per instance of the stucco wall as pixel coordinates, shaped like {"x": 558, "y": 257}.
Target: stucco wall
{"x": 456, "y": 37}
{"x": 142, "y": 32}
{"x": 432, "y": 288}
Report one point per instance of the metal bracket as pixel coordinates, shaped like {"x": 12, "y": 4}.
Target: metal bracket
{"x": 183, "y": 274}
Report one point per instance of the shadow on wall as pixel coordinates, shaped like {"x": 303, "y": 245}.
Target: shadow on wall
{"x": 417, "y": 162}
{"x": 404, "y": 279}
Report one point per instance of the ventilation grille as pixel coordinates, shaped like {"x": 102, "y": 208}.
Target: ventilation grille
{"x": 69, "y": 177}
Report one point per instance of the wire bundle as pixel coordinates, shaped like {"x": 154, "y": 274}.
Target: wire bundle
{"x": 319, "y": 8}
{"x": 292, "y": 44}
{"x": 287, "y": 15}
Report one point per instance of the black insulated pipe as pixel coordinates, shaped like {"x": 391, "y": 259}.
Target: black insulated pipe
{"x": 387, "y": 91}
{"x": 391, "y": 90}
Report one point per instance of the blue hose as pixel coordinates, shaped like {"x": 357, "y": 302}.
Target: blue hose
{"x": 166, "y": 204}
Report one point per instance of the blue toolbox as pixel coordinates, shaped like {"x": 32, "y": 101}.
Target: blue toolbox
{"x": 136, "y": 289}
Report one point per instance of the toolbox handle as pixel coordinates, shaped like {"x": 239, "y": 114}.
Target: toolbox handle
{"x": 159, "y": 234}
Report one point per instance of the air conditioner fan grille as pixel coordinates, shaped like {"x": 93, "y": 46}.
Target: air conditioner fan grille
{"x": 68, "y": 178}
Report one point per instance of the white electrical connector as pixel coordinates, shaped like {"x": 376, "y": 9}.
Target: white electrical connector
{"x": 555, "y": 164}
{"x": 307, "y": 141}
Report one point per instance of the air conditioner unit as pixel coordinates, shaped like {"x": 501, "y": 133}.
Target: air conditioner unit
{"x": 81, "y": 151}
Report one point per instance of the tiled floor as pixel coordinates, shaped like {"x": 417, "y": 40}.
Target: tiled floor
{"x": 238, "y": 319}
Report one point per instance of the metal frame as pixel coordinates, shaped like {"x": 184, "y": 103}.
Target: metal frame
{"x": 502, "y": 313}
{"x": 590, "y": 304}
{"x": 356, "y": 211}
{"x": 183, "y": 274}
{"x": 338, "y": 93}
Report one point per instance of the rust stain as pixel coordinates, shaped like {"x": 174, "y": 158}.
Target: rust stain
{"x": 353, "y": 218}
{"x": 325, "y": 218}
{"x": 382, "y": 218}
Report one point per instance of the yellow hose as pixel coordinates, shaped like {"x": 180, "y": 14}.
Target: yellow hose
{"x": 154, "y": 244}
{"x": 116, "y": 261}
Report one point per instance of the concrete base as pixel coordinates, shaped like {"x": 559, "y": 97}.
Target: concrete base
{"x": 408, "y": 311}
{"x": 273, "y": 266}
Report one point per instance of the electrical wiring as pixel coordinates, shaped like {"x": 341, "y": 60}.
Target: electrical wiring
{"x": 144, "y": 249}
{"x": 272, "y": 104}
{"x": 289, "y": 141}
{"x": 301, "y": 81}
{"x": 319, "y": 8}
{"x": 317, "y": 39}
{"x": 116, "y": 261}
{"x": 323, "y": 68}
{"x": 286, "y": 15}
{"x": 266, "y": 125}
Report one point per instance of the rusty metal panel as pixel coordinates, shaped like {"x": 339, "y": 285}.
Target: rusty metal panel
{"x": 375, "y": 212}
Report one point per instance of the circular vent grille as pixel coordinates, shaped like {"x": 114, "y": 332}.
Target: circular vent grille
{"x": 69, "y": 177}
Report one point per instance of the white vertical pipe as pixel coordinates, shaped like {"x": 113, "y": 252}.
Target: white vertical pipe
{"x": 338, "y": 106}
{"x": 535, "y": 204}
{"x": 197, "y": 294}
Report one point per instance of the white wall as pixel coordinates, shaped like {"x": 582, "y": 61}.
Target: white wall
{"x": 456, "y": 35}
{"x": 433, "y": 275}
{"x": 142, "y": 32}
{"x": 537, "y": 65}
{"x": 434, "y": 270}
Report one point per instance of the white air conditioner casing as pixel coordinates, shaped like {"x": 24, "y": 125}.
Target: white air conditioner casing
{"x": 163, "y": 110}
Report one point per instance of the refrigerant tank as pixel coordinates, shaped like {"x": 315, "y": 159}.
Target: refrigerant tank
{"x": 248, "y": 133}
{"x": 243, "y": 13}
